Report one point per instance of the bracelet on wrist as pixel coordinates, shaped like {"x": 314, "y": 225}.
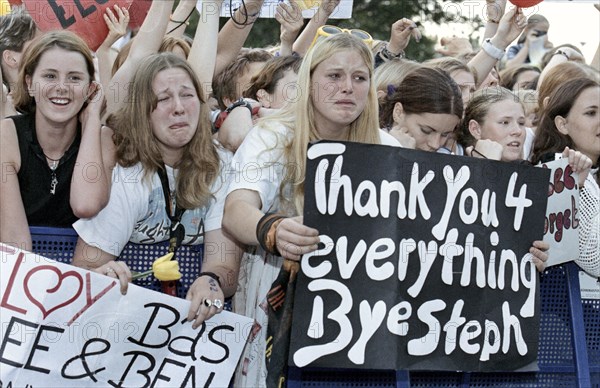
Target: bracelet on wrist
{"x": 223, "y": 115}
{"x": 179, "y": 21}
{"x": 211, "y": 275}
{"x": 492, "y": 50}
{"x": 186, "y": 21}
{"x": 238, "y": 103}
{"x": 265, "y": 232}
{"x": 387, "y": 54}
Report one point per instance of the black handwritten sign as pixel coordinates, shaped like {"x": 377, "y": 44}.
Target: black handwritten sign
{"x": 424, "y": 261}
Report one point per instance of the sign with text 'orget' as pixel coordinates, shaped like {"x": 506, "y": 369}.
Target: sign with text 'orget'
{"x": 83, "y": 17}
{"x": 424, "y": 263}
{"x": 66, "y": 327}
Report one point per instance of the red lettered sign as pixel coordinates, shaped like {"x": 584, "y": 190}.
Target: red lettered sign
{"x": 83, "y": 17}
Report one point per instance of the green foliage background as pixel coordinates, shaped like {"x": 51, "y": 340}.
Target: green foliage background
{"x": 374, "y": 16}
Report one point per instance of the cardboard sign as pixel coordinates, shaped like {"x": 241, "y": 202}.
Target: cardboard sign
{"x": 67, "y": 327}
{"x": 83, "y": 17}
{"x": 309, "y": 8}
{"x": 424, "y": 261}
{"x": 561, "y": 228}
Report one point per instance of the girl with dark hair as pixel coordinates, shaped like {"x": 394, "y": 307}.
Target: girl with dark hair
{"x": 571, "y": 121}
{"x": 427, "y": 105}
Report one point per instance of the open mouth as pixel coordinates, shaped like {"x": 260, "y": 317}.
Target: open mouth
{"x": 60, "y": 101}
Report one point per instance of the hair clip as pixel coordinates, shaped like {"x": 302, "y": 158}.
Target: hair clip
{"x": 391, "y": 89}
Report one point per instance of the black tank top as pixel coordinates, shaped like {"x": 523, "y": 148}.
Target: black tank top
{"x": 35, "y": 176}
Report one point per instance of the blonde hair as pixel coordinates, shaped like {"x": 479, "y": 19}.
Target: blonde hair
{"x": 393, "y": 72}
{"x": 299, "y": 116}
{"x": 135, "y": 140}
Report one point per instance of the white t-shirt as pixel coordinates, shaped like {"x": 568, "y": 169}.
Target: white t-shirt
{"x": 258, "y": 164}
{"x": 528, "y": 144}
{"x": 136, "y": 212}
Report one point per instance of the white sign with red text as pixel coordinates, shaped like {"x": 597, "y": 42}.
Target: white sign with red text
{"x": 70, "y": 327}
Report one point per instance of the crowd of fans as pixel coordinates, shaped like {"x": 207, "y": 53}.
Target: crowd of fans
{"x": 152, "y": 160}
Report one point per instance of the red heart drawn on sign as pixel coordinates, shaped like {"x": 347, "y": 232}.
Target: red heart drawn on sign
{"x": 59, "y": 282}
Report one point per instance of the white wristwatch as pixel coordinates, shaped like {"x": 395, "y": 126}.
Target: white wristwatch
{"x": 492, "y": 50}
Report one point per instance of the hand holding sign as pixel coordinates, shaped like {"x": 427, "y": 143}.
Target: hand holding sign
{"x": 579, "y": 163}
{"x": 87, "y": 334}
{"x": 294, "y": 239}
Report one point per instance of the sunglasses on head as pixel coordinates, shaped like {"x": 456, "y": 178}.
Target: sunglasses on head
{"x": 325, "y": 31}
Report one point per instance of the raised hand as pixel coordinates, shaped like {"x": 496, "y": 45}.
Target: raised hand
{"x": 117, "y": 22}
{"x": 290, "y": 18}
{"x": 453, "y": 46}
{"x": 94, "y": 102}
{"x": 402, "y": 31}
{"x": 511, "y": 25}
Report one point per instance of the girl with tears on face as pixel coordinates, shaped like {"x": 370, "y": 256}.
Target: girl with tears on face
{"x": 341, "y": 105}
{"x": 167, "y": 186}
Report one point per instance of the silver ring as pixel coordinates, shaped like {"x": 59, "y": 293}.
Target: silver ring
{"x": 108, "y": 270}
{"x": 208, "y": 302}
{"x": 218, "y": 303}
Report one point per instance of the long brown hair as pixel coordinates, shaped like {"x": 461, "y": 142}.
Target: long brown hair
{"x": 424, "y": 90}
{"x": 549, "y": 139}
{"x": 136, "y": 143}
{"x": 63, "y": 39}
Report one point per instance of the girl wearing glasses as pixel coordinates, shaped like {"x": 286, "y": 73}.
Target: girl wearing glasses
{"x": 341, "y": 104}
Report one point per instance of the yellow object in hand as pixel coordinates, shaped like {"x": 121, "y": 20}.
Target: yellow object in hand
{"x": 163, "y": 269}
{"x": 166, "y": 269}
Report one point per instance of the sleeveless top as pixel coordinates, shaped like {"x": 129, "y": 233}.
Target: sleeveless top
{"x": 43, "y": 208}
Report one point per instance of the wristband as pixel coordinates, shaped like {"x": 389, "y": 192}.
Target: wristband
{"x": 265, "y": 232}
{"x": 387, "y": 54}
{"x": 211, "y": 275}
{"x": 240, "y": 102}
{"x": 223, "y": 115}
{"x": 492, "y": 50}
